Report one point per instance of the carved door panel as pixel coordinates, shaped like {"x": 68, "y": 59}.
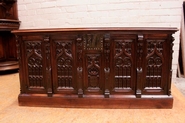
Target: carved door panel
{"x": 93, "y": 68}
{"x": 156, "y": 64}
{"x": 123, "y": 64}
{"x": 63, "y": 61}
{"x": 34, "y": 65}
{"x": 93, "y": 79}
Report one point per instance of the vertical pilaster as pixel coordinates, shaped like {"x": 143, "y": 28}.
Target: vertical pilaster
{"x": 19, "y": 58}
{"x": 107, "y": 64}
{"x": 48, "y": 65}
{"x": 171, "y": 39}
{"x": 79, "y": 49}
{"x": 139, "y": 65}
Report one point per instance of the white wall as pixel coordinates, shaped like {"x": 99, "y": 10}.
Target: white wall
{"x": 102, "y": 13}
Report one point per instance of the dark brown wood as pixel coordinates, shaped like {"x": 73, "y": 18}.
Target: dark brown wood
{"x": 117, "y": 102}
{"x": 10, "y": 65}
{"x": 125, "y": 29}
{"x": 96, "y": 68}
{"x": 8, "y": 21}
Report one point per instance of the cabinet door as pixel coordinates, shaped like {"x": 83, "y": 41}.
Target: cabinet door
{"x": 63, "y": 64}
{"x": 33, "y": 66}
{"x": 94, "y": 63}
{"x": 156, "y": 61}
{"x": 123, "y": 64}
{"x": 93, "y": 74}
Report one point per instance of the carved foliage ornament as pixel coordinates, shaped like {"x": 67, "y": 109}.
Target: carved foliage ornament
{"x": 93, "y": 68}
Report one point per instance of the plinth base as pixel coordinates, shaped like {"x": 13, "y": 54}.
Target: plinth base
{"x": 72, "y": 101}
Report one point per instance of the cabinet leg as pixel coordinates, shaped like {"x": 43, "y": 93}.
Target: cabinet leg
{"x": 80, "y": 93}
{"x": 107, "y": 93}
{"x": 138, "y": 93}
{"x": 49, "y": 92}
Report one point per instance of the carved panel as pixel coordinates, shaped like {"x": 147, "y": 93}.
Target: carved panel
{"x": 93, "y": 71}
{"x": 155, "y": 45}
{"x": 64, "y": 59}
{"x": 6, "y": 7}
{"x": 123, "y": 64}
{"x": 35, "y": 66}
{"x": 154, "y": 63}
{"x": 93, "y": 42}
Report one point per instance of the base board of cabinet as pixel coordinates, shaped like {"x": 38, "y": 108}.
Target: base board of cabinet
{"x": 119, "y": 102}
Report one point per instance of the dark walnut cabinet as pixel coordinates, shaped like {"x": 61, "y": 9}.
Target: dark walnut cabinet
{"x": 8, "y": 21}
{"x": 96, "y": 67}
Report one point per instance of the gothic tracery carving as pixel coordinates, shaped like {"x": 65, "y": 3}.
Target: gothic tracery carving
{"x": 35, "y": 66}
{"x": 154, "y": 63}
{"x": 123, "y": 64}
{"x": 64, "y": 64}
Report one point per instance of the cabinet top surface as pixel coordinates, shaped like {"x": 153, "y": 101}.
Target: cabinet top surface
{"x": 46, "y": 30}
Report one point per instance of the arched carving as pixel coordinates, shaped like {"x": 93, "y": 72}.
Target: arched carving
{"x": 93, "y": 71}
{"x": 154, "y": 63}
{"x": 123, "y": 64}
{"x": 35, "y": 65}
{"x": 64, "y": 64}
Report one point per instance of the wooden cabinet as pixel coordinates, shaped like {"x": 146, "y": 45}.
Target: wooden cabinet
{"x": 8, "y": 21}
{"x": 96, "y": 67}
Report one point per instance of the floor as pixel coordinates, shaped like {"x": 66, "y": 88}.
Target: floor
{"x": 11, "y": 112}
{"x": 180, "y": 84}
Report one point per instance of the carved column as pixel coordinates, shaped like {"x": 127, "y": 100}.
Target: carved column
{"x": 171, "y": 39}
{"x": 48, "y": 65}
{"x": 19, "y": 58}
{"x": 107, "y": 64}
{"x": 79, "y": 47}
{"x": 139, "y": 66}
